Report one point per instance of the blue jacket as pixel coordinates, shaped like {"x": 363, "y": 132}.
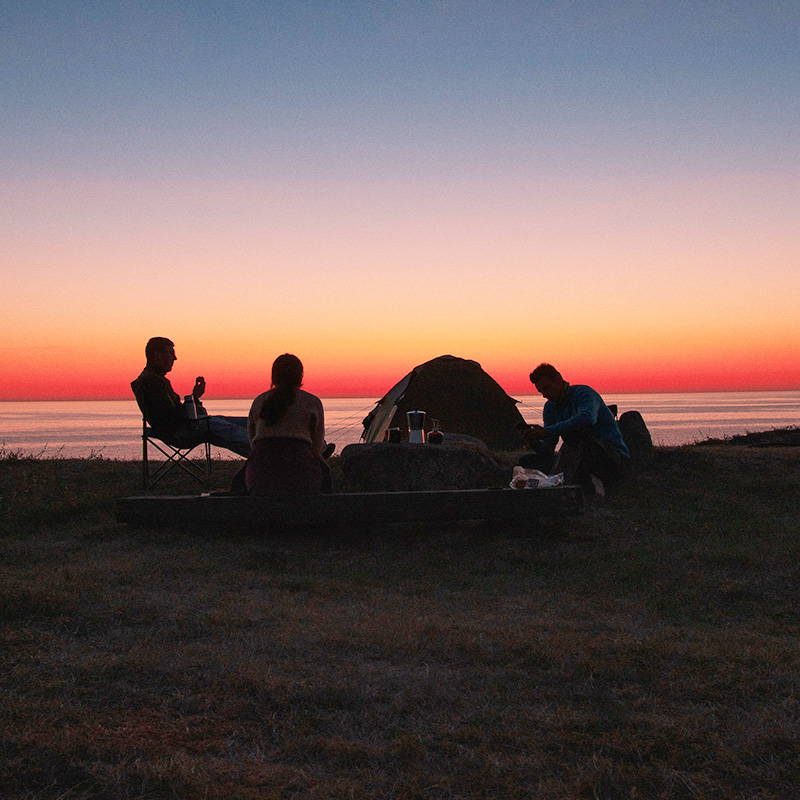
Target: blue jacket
{"x": 579, "y": 411}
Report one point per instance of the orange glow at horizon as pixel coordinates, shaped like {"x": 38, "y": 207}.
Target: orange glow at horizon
{"x": 65, "y": 373}
{"x": 677, "y": 285}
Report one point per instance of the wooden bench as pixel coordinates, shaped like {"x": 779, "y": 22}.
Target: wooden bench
{"x": 286, "y": 509}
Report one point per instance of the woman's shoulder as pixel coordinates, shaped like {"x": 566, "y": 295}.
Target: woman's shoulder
{"x": 259, "y": 399}
{"x": 307, "y": 398}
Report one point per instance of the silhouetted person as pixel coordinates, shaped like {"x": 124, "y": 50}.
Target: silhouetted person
{"x": 287, "y": 433}
{"x": 161, "y": 406}
{"x": 593, "y": 450}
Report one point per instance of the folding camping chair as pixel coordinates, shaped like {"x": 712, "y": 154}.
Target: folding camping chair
{"x": 176, "y": 455}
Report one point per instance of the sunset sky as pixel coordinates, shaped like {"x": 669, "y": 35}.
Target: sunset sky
{"x": 612, "y": 187}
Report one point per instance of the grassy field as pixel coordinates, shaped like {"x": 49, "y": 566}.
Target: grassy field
{"x": 648, "y": 649}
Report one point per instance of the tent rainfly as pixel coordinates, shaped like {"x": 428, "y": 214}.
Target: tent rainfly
{"x": 459, "y": 394}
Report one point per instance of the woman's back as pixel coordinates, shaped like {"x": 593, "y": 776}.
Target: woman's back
{"x": 286, "y": 427}
{"x": 302, "y": 419}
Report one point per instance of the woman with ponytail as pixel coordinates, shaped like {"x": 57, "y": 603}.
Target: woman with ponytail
{"x": 286, "y": 427}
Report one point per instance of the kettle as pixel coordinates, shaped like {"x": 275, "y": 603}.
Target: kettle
{"x": 416, "y": 427}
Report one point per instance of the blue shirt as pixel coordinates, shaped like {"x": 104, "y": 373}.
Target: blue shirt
{"x": 582, "y": 410}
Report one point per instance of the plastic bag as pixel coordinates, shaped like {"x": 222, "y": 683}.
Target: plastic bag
{"x": 534, "y": 479}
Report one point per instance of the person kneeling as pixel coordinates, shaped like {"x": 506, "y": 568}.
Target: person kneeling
{"x": 286, "y": 426}
{"x": 593, "y": 453}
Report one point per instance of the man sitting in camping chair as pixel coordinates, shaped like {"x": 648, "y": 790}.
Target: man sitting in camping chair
{"x": 162, "y": 408}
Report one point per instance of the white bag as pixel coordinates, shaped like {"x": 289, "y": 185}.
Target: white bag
{"x": 534, "y": 479}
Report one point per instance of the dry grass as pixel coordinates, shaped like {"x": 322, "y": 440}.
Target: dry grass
{"x": 646, "y": 650}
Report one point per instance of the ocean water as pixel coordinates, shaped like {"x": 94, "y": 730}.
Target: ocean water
{"x": 112, "y": 428}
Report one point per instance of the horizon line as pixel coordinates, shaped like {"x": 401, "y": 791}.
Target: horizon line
{"x": 80, "y": 399}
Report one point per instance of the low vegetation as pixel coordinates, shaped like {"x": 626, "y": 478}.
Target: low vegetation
{"x": 647, "y": 649}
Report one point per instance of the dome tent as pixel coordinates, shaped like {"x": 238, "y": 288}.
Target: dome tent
{"x": 456, "y": 392}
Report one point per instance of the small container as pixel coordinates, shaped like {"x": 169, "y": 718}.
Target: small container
{"x": 393, "y": 435}
{"x": 189, "y": 405}
{"x": 435, "y": 436}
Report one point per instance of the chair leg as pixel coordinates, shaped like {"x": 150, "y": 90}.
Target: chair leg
{"x": 145, "y": 464}
{"x": 175, "y": 457}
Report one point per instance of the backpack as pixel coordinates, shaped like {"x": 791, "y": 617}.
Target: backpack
{"x": 636, "y": 436}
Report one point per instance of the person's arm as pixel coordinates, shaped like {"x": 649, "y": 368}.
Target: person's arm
{"x": 587, "y": 406}
{"x": 318, "y": 428}
{"x": 540, "y": 438}
{"x": 255, "y": 410}
{"x": 197, "y": 392}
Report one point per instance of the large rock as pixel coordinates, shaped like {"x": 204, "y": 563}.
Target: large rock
{"x": 384, "y": 467}
{"x": 636, "y": 435}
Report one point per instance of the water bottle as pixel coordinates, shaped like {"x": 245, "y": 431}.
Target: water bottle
{"x": 191, "y": 408}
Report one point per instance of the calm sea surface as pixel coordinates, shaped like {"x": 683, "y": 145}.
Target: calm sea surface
{"x": 112, "y": 428}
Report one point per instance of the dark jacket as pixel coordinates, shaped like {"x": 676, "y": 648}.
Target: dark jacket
{"x": 161, "y": 406}
{"x": 581, "y": 410}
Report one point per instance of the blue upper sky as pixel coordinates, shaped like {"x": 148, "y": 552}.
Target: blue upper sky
{"x": 259, "y": 88}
